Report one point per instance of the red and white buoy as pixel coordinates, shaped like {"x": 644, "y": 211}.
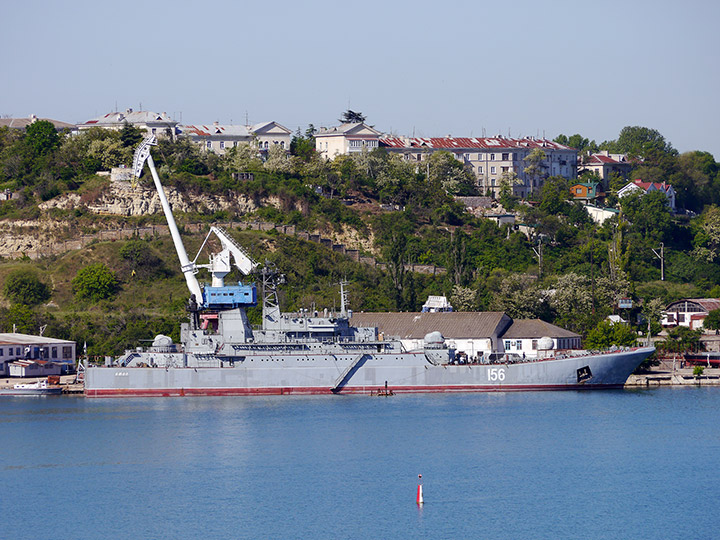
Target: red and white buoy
{"x": 419, "y": 499}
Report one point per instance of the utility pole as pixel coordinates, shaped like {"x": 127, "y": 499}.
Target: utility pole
{"x": 661, "y": 256}
{"x": 539, "y": 255}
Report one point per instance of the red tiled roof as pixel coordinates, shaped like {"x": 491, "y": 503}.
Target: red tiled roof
{"x": 462, "y": 143}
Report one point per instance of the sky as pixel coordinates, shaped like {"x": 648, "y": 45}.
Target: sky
{"x": 430, "y": 69}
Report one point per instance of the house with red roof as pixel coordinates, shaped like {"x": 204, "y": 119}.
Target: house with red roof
{"x": 604, "y": 164}
{"x": 638, "y": 186}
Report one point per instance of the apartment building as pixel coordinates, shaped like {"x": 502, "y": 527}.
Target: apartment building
{"x": 492, "y": 158}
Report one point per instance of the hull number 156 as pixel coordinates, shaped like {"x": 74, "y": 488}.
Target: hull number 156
{"x": 495, "y": 374}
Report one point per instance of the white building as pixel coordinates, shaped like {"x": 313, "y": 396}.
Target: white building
{"x": 604, "y": 164}
{"x": 345, "y": 139}
{"x": 638, "y": 186}
{"x": 159, "y": 124}
{"x": 219, "y": 138}
{"x": 690, "y": 312}
{"x": 477, "y": 334}
{"x": 525, "y": 338}
{"x": 15, "y": 346}
{"x": 491, "y": 158}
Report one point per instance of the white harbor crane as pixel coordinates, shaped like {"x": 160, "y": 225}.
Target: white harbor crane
{"x": 219, "y": 265}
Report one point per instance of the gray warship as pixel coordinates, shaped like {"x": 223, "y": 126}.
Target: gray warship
{"x": 313, "y": 352}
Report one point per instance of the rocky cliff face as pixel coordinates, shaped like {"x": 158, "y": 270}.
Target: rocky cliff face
{"x": 46, "y": 236}
{"x": 120, "y": 199}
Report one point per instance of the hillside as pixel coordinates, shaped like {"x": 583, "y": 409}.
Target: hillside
{"x": 64, "y": 221}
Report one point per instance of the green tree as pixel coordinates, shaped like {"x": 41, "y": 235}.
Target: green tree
{"x": 352, "y": 117}
{"x": 535, "y": 168}
{"x": 639, "y": 141}
{"x": 648, "y": 213}
{"x": 392, "y": 232}
{"x": 452, "y": 175}
{"x": 707, "y": 240}
{"x": 277, "y": 160}
{"x": 244, "y": 157}
{"x": 130, "y": 136}
{"x": 520, "y": 297}
{"x": 22, "y": 318}
{"x": 607, "y": 334}
{"x": 572, "y": 302}
{"x": 95, "y": 282}
{"x": 682, "y": 339}
{"x": 463, "y": 298}
{"x": 42, "y": 137}
{"x": 303, "y": 146}
{"x": 578, "y": 142}
{"x": 712, "y": 321}
{"x": 23, "y": 286}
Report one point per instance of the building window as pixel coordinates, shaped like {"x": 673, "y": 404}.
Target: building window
{"x": 2, "y": 352}
{"x": 54, "y": 352}
{"x": 492, "y": 170}
{"x": 153, "y": 131}
{"x": 222, "y": 145}
{"x": 234, "y": 144}
{"x": 67, "y": 352}
{"x": 209, "y": 145}
{"x": 534, "y": 344}
{"x": 507, "y": 344}
{"x": 505, "y": 156}
{"x": 480, "y": 169}
{"x": 282, "y": 144}
{"x": 492, "y": 157}
{"x": 504, "y": 169}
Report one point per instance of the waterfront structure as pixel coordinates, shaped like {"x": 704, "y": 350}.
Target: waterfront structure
{"x": 475, "y": 333}
{"x": 478, "y": 334}
{"x": 32, "y": 368}
{"x": 690, "y": 312}
{"x": 159, "y": 124}
{"x": 219, "y": 138}
{"x": 526, "y": 337}
{"x": 346, "y": 139}
{"x": 638, "y": 186}
{"x": 525, "y": 163}
{"x": 15, "y": 346}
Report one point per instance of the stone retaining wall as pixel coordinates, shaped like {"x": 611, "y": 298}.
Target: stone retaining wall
{"x": 42, "y": 248}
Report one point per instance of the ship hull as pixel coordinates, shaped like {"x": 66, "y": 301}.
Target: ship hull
{"x": 398, "y": 373}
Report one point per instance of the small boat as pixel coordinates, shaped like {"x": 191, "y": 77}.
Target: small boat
{"x": 39, "y": 388}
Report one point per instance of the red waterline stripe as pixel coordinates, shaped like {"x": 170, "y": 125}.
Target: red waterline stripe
{"x": 179, "y": 392}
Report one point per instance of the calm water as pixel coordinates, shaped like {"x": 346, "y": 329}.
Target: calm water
{"x": 625, "y": 464}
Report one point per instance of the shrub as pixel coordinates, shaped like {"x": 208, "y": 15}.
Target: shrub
{"x": 25, "y": 287}
{"x": 95, "y": 282}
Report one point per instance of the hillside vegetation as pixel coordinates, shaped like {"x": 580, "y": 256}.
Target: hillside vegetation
{"x": 114, "y": 294}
